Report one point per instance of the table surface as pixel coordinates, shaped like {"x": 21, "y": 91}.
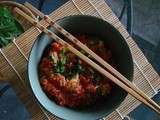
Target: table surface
{"x": 7, "y": 107}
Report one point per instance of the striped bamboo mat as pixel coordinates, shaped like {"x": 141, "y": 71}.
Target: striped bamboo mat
{"x": 13, "y": 64}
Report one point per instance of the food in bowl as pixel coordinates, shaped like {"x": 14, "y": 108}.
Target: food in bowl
{"x": 91, "y": 27}
{"x": 71, "y": 82}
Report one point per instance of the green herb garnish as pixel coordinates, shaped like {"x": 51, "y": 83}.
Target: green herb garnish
{"x": 9, "y": 28}
{"x": 52, "y": 58}
{"x": 63, "y": 59}
{"x": 76, "y": 69}
{"x": 60, "y": 65}
{"x": 60, "y": 68}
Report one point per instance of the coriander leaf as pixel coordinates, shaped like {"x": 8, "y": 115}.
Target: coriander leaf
{"x": 9, "y": 27}
{"x": 60, "y": 67}
{"x": 53, "y": 59}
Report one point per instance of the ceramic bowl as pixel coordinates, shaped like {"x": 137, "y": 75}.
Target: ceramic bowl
{"x": 90, "y": 26}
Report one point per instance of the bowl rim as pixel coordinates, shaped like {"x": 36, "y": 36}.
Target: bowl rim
{"x": 41, "y": 34}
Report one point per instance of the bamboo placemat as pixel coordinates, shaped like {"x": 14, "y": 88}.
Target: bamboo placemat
{"x": 13, "y": 60}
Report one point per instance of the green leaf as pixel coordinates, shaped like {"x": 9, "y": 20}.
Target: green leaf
{"x": 60, "y": 66}
{"x": 9, "y": 27}
{"x": 3, "y": 42}
{"x": 63, "y": 60}
{"x": 53, "y": 59}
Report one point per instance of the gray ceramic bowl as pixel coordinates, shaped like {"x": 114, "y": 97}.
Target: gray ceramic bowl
{"x": 91, "y": 26}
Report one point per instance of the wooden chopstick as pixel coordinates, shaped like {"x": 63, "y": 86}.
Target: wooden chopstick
{"x": 87, "y": 50}
{"x": 87, "y": 60}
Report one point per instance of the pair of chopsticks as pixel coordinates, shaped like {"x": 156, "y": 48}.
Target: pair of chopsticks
{"x": 110, "y": 72}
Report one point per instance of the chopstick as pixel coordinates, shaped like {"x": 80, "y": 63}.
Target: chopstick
{"x": 87, "y": 50}
{"x": 87, "y": 60}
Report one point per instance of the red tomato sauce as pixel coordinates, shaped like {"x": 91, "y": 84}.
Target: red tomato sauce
{"x": 71, "y": 82}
